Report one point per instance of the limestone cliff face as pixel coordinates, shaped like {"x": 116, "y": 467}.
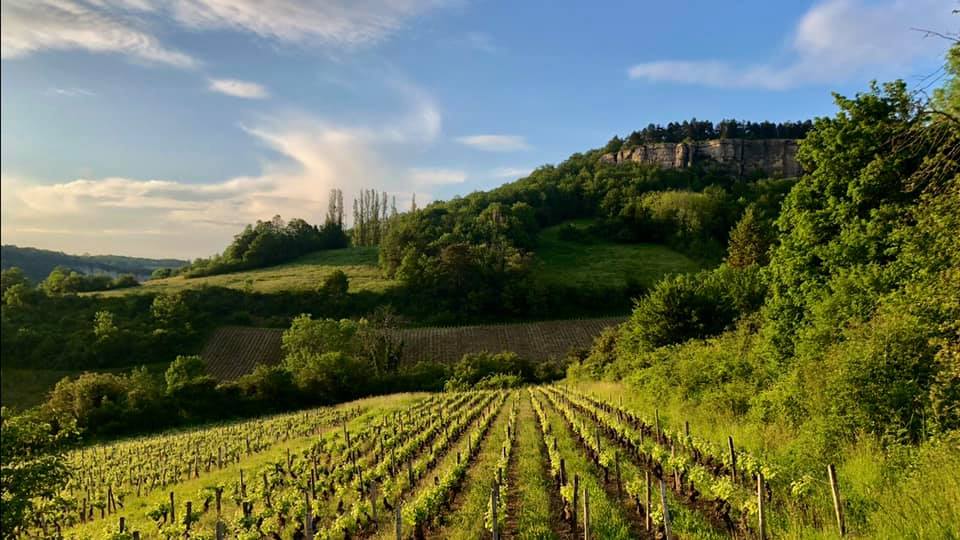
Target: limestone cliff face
{"x": 775, "y": 157}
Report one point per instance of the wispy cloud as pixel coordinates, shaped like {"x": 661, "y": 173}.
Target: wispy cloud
{"x": 336, "y": 22}
{"x": 124, "y": 26}
{"x": 511, "y": 172}
{"x": 70, "y": 92}
{"x": 437, "y": 177}
{"x": 178, "y": 217}
{"x": 237, "y": 88}
{"x": 31, "y": 26}
{"x": 833, "y": 41}
{"x": 495, "y": 143}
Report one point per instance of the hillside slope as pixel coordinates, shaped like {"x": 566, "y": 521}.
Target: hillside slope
{"x": 38, "y": 263}
{"x": 303, "y": 274}
{"x": 234, "y": 351}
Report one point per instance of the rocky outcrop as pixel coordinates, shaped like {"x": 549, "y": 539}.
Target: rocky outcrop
{"x": 774, "y": 157}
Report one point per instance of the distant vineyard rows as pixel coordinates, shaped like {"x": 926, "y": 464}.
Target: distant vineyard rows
{"x": 235, "y": 351}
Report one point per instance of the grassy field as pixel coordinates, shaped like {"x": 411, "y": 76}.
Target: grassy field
{"x": 563, "y": 262}
{"x": 24, "y": 388}
{"x": 303, "y": 274}
{"x": 590, "y": 263}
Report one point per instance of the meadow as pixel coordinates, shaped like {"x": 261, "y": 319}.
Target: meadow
{"x": 595, "y": 262}
{"x": 302, "y": 274}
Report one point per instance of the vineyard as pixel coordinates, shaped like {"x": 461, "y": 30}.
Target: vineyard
{"x": 542, "y": 462}
{"x": 234, "y": 351}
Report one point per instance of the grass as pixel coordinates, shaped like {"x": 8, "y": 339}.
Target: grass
{"x": 899, "y": 492}
{"x": 606, "y": 517}
{"x": 532, "y": 508}
{"x": 564, "y": 262}
{"x": 303, "y": 274}
{"x": 684, "y": 521}
{"x": 24, "y": 388}
{"x": 468, "y": 518}
{"x": 586, "y": 264}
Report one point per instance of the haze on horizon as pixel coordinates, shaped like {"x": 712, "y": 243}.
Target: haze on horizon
{"x": 159, "y": 128}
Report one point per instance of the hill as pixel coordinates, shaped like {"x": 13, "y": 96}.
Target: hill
{"x": 571, "y": 256}
{"x": 305, "y": 273}
{"x": 38, "y": 263}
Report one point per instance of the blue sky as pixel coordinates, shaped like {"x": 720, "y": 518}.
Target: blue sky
{"x": 159, "y": 127}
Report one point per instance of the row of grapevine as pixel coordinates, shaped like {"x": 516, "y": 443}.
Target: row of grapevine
{"x": 730, "y": 506}
{"x": 496, "y": 514}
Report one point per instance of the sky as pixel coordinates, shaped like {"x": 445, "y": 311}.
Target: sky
{"x": 159, "y": 128}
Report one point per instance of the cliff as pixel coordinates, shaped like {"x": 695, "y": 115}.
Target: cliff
{"x": 774, "y": 157}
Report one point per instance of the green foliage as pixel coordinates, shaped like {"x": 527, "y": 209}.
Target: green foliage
{"x": 308, "y": 336}
{"x": 858, "y": 332}
{"x": 701, "y": 130}
{"x": 62, "y": 280}
{"x": 33, "y": 467}
{"x": 185, "y": 371}
{"x": 12, "y": 277}
{"x": 336, "y": 284}
{"x": 103, "y": 327}
{"x": 269, "y": 243}
{"x": 693, "y": 306}
{"x": 750, "y": 240}
{"x": 946, "y": 100}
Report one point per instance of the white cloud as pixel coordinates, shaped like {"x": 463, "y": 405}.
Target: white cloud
{"x": 71, "y": 92}
{"x": 833, "y": 41}
{"x": 336, "y": 22}
{"x": 495, "y": 143}
{"x": 31, "y": 26}
{"x": 437, "y": 177}
{"x": 168, "y": 217}
{"x": 511, "y": 172}
{"x": 122, "y": 26}
{"x": 237, "y": 88}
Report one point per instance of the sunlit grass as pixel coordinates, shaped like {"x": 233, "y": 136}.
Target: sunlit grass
{"x": 602, "y": 262}
{"x": 303, "y": 274}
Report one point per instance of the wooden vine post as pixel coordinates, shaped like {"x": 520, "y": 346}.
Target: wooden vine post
{"x": 837, "y": 504}
{"x": 733, "y": 459}
{"x": 398, "y": 522}
{"x": 586, "y": 514}
{"x": 576, "y": 493}
{"x": 761, "y": 518}
{"x": 307, "y": 516}
{"x": 666, "y": 512}
{"x": 616, "y": 460}
{"x": 494, "y": 503}
{"x": 649, "y": 520}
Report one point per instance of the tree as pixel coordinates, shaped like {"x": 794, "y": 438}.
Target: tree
{"x": 308, "y": 336}
{"x": 34, "y": 467}
{"x": 336, "y": 284}
{"x": 103, "y": 326}
{"x": 185, "y": 371}
{"x": 750, "y": 240}
{"x": 12, "y": 277}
